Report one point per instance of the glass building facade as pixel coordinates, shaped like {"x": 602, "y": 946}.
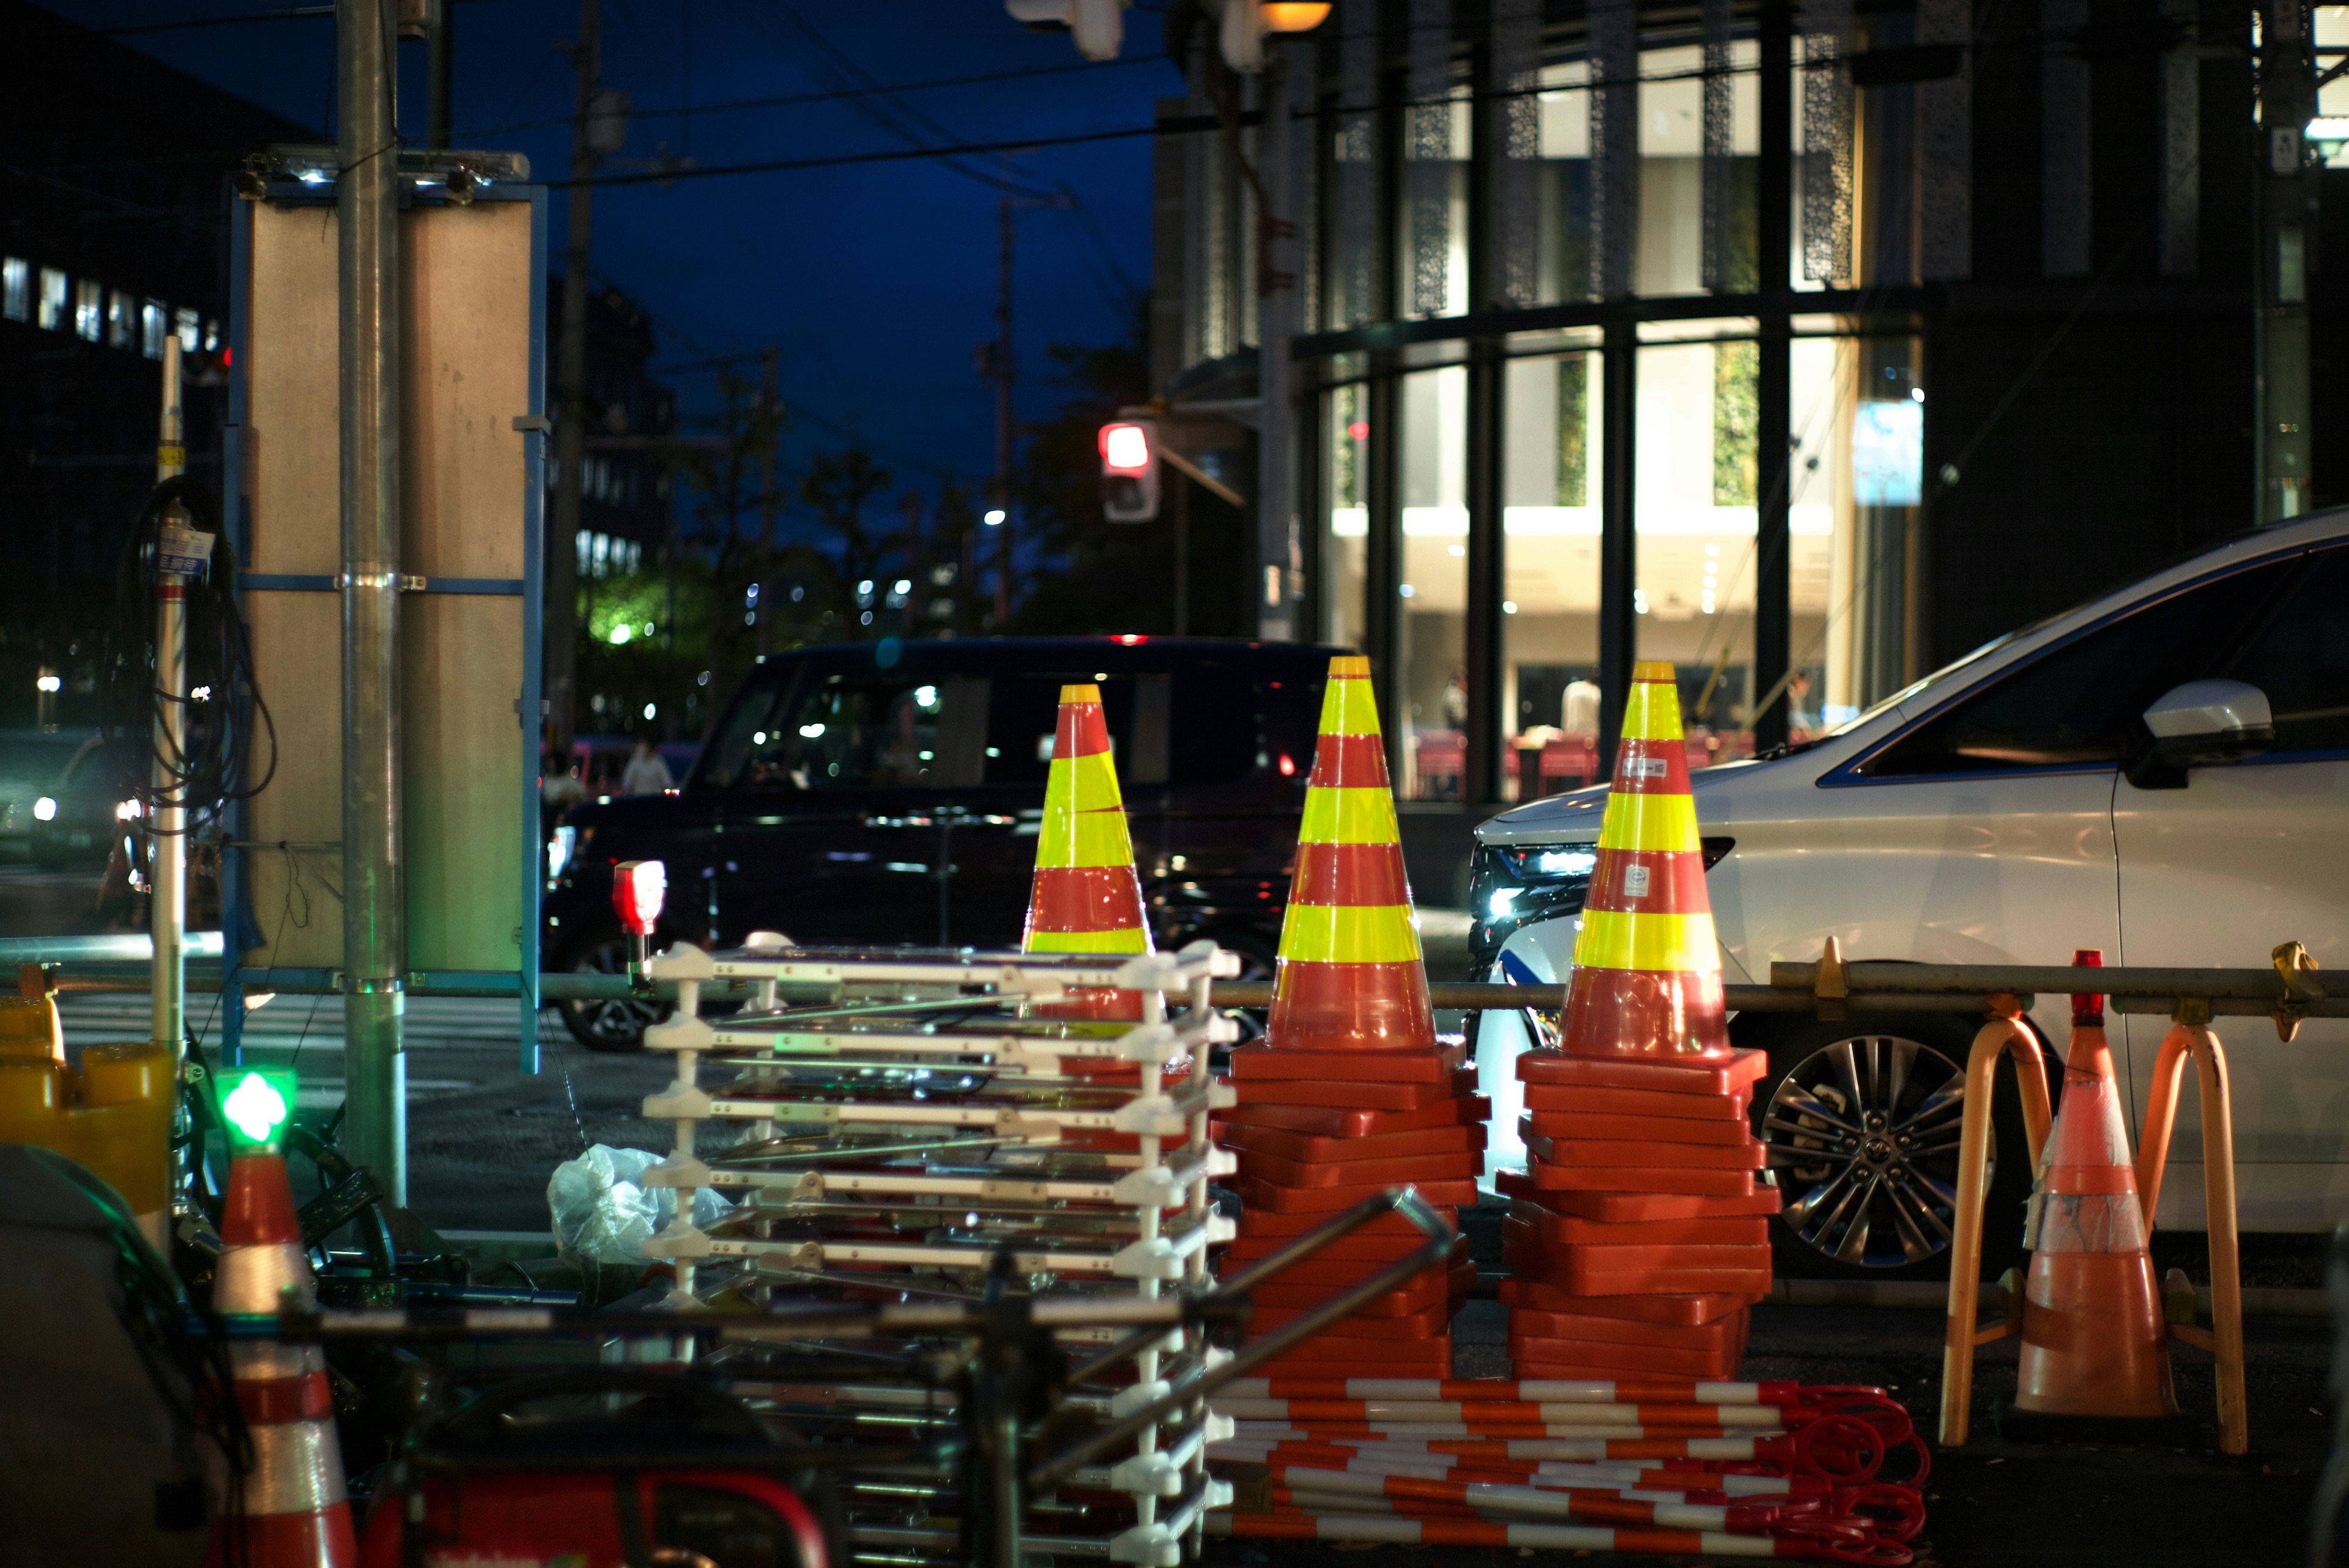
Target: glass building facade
{"x": 1615, "y": 332}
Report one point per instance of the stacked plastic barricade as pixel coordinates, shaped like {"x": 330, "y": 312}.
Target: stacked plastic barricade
{"x": 1351, "y": 1093}
{"x": 938, "y": 1112}
{"x": 1637, "y": 1233}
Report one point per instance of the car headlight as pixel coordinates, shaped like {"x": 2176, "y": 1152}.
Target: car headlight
{"x": 44, "y": 809}
{"x": 1510, "y": 885}
{"x": 1514, "y": 885}
{"x": 128, "y": 811}
{"x": 559, "y": 849}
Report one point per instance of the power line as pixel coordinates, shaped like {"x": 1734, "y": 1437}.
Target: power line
{"x": 790, "y": 101}
{"x": 1178, "y": 125}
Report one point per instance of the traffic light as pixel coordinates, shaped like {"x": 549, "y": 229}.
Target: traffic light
{"x": 1245, "y": 21}
{"x": 1098, "y": 25}
{"x": 1129, "y": 483}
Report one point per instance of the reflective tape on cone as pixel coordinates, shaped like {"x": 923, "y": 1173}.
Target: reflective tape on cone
{"x": 1350, "y": 976}
{"x": 1647, "y": 963}
{"x": 1086, "y": 897}
{"x": 2095, "y": 1342}
{"x": 291, "y": 1511}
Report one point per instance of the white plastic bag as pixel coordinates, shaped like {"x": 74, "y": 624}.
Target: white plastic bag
{"x": 604, "y": 1214}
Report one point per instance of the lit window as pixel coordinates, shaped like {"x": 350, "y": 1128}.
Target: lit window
{"x": 635, "y": 557}
{"x": 121, "y": 319}
{"x": 52, "y": 301}
{"x": 89, "y": 303}
{"x": 15, "y": 288}
{"x": 211, "y": 336}
{"x": 585, "y": 542}
{"x": 191, "y": 329}
{"x": 151, "y": 317}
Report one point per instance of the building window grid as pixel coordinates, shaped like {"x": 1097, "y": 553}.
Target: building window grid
{"x": 15, "y": 288}
{"x": 1827, "y": 525}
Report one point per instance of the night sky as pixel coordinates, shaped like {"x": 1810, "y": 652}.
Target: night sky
{"x": 875, "y": 281}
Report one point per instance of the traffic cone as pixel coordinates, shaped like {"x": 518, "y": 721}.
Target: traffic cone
{"x": 293, "y": 1513}
{"x": 1647, "y": 970}
{"x": 1351, "y": 978}
{"x": 1086, "y": 897}
{"x": 2093, "y": 1340}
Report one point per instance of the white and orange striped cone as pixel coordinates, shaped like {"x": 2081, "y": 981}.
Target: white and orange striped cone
{"x": 1647, "y": 969}
{"x": 293, "y": 1513}
{"x": 1351, "y": 978}
{"x": 1086, "y": 897}
{"x": 2093, "y": 1339}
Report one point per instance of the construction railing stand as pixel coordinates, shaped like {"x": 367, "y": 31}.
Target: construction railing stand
{"x": 2004, "y": 1032}
{"x": 2190, "y": 1034}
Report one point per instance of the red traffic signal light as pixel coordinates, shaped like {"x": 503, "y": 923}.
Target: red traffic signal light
{"x": 1129, "y": 454}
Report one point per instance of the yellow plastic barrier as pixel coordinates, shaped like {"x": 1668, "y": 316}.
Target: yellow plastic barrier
{"x": 113, "y": 1114}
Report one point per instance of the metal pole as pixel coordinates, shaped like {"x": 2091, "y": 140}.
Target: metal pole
{"x": 571, "y": 394}
{"x": 375, "y": 882}
{"x": 2287, "y": 83}
{"x": 1619, "y": 541}
{"x": 1773, "y": 469}
{"x": 441, "y": 76}
{"x": 770, "y": 376}
{"x": 1277, "y": 324}
{"x": 167, "y": 829}
{"x": 1003, "y": 411}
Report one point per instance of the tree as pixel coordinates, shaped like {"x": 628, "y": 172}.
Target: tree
{"x": 835, "y": 488}
{"x": 1087, "y": 573}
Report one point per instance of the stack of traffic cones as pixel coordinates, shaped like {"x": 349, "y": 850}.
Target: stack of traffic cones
{"x": 1086, "y": 897}
{"x": 1351, "y": 1093}
{"x": 291, "y": 1509}
{"x": 1638, "y": 1233}
{"x": 2094, "y": 1341}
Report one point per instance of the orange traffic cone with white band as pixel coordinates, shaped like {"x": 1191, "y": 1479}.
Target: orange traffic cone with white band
{"x": 293, "y": 1510}
{"x": 1647, "y": 971}
{"x": 1086, "y": 897}
{"x": 1351, "y": 978}
{"x": 2093, "y": 1340}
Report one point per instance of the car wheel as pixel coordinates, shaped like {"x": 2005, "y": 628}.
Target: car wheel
{"x": 1861, "y": 1122}
{"x": 612, "y": 1024}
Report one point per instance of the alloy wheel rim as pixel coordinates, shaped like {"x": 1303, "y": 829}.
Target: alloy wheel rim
{"x": 1862, "y": 1138}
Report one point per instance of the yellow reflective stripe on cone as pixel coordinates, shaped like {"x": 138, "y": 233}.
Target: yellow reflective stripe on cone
{"x": 1653, "y": 713}
{"x": 1087, "y": 783}
{"x": 1120, "y": 939}
{"x": 1351, "y": 815}
{"x": 1348, "y": 707}
{"x": 1349, "y": 934}
{"x": 1083, "y": 839}
{"x": 1650, "y": 823}
{"x": 1612, "y": 940}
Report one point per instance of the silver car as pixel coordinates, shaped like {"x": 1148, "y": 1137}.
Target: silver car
{"x": 2161, "y": 774}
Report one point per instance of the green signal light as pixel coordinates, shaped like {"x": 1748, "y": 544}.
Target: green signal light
{"x": 260, "y": 1105}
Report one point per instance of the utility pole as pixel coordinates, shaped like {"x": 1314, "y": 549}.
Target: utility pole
{"x": 167, "y": 837}
{"x": 571, "y": 390}
{"x": 374, "y": 878}
{"x": 2287, "y": 239}
{"x": 1003, "y": 371}
{"x": 771, "y": 361}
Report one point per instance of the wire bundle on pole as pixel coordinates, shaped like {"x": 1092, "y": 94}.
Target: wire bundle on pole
{"x": 1766, "y": 1470}
{"x": 207, "y": 772}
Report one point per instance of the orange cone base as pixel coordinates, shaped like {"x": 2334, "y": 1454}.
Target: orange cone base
{"x": 1351, "y": 1007}
{"x": 1354, "y": 1095}
{"x": 284, "y": 1541}
{"x": 1648, "y": 1105}
{"x": 1101, "y": 1002}
{"x": 1693, "y": 1077}
{"x": 1277, "y": 1200}
{"x": 1334, "y": 1121}
{"x": 1726, "y": 1332}
{"x": 2093, "y": 1339}
{"x": 1644, "y": 1013}
{"x": 1266, "y": 1064}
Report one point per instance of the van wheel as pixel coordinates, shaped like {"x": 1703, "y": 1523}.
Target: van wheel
{"x": 1861, "y": 1123}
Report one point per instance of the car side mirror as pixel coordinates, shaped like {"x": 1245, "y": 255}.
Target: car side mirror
{"x": 2199, "y": 723}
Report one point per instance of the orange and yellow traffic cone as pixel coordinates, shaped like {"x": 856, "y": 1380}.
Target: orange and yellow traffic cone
{"x": 1086, "y": 897}
{"x": 2093, "y": 1340}
{"x": 1351, "y": 978}
{"x": 1647, "y": 970}
{"x": 293, "y": 1513}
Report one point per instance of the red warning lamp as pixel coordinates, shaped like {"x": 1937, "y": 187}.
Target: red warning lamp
{"x": 637, "y": 889}
{"x": 1129, "y": 478}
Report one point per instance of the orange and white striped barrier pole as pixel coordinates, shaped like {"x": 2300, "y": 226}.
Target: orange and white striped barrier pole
{"x": 290, "y": 1511}
{"x": 1591, "y": 1505}
{"x": 1642, "y": 1391}
{"x": 1390, "y": 1530}
{"x": 1351, "y": 978}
